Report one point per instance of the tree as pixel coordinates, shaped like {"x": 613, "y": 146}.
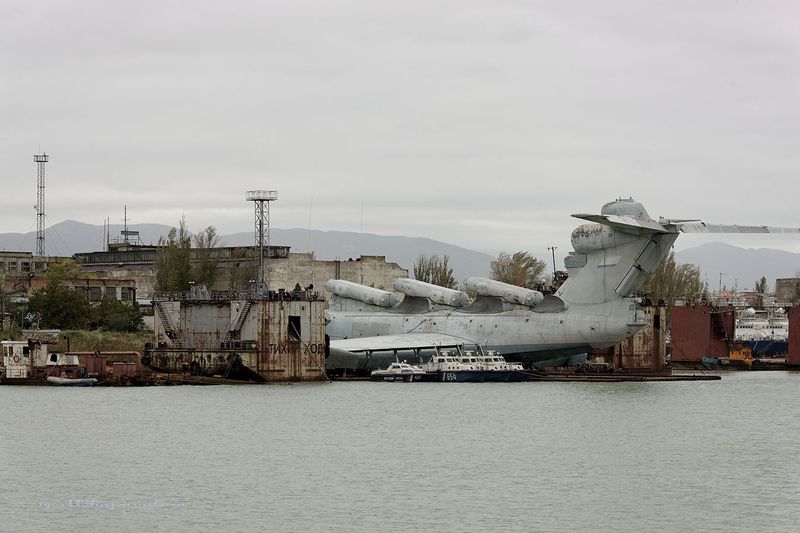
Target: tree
{"x": 113, "y": 315}
{"x": 8, "y": 328}
{"x": 60, "y": 307}
{"x": 761, "y": 289}
{"x": 174, "y": 269}
{"x": 521, "y": 269}
{"x": 173, "y": 261}
{"x": 66, "y": 269}
{"x": 671, "y": 281}
{"x": 205, "y": 271}
{"x": 434, "y": 270}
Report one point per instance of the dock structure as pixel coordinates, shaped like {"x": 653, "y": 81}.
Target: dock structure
{"x": 645, "y": 351}
{"x": 255, "y": 335}
{"x": 701, "y": 331}
{"x": 793, "y": 357}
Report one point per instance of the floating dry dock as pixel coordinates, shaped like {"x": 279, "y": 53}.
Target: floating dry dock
{"x": 255, "y": 336}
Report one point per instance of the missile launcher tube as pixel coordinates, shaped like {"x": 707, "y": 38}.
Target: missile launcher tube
{"x": 435, "y": 293}
{"x": 362, "y": 293}
{"x": 509, "y": 293}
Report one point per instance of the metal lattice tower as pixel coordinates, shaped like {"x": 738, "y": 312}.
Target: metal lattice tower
{"x": 40, "y": 160}
{"x": 261, "y": 200}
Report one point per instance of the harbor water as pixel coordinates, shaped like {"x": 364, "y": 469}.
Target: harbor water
{"x": 359, "y": 456}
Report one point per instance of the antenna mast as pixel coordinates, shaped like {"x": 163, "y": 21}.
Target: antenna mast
{"x": 125, "y": 224}
{"x": 40, "y": 160}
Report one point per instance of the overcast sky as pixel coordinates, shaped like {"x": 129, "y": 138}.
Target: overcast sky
{"x": 482, "y": 124}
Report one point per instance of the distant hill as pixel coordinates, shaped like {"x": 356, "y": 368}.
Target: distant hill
{"x": 69, "y": 237}
{"x": 743, "y": 266}
{"x": 401, "y": 250}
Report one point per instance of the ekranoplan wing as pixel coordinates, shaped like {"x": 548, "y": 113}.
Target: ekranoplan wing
{"x": 697, "y": 226}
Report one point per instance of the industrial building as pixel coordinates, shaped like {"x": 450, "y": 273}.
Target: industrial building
{"x": 237, "y": 266}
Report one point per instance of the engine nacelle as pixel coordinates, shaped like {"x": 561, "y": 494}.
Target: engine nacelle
{"x": 593, "y": 237}
{"x": 362, "y": 293}
{"x": 509, "y": 293}
{"x": 435, "y": 293}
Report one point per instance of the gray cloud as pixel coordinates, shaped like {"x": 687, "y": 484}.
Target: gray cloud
{"x": 480, "y": 124}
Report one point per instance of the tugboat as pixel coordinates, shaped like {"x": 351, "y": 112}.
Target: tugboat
{"x": 30, "y": 363}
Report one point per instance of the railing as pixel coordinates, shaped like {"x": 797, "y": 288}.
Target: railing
{"x": 222, "y": 296}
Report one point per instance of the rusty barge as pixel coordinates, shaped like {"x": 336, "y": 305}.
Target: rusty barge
{"x": 30, "y": 362}
{"x": 248, "y": 336}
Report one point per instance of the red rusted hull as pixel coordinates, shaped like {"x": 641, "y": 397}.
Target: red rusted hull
{"x": 701, "y": 331}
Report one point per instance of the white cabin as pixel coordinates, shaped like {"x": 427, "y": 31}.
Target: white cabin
{"x": 21, "y": 357}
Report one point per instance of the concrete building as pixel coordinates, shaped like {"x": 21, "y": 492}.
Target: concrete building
{"x": 95, "y": 289}
{"x": 22, "y": 264}
{"x": 238, "y": 265}
{"x": 787, "y": 290}
{"x": 21, "y": 274}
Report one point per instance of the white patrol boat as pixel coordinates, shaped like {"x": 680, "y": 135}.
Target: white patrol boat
{"x": 398, "y": 372}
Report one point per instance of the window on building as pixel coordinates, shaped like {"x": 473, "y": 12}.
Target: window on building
{"x": 25, "y": 266}
{"x": 127, "y": 294}
{"x": 111, "y": 292}
{"x": 95, "y": 294}
{"x": 294, "y": 328}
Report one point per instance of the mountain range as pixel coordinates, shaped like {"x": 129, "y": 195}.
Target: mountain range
{"x": 741, "y": 266}
{"x": 69, "y": 237}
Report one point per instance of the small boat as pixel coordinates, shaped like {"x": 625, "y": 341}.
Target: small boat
{"x": 495, "y": 367}
{"x": 71, "y": 382}
{"x": 398, "y": 372}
